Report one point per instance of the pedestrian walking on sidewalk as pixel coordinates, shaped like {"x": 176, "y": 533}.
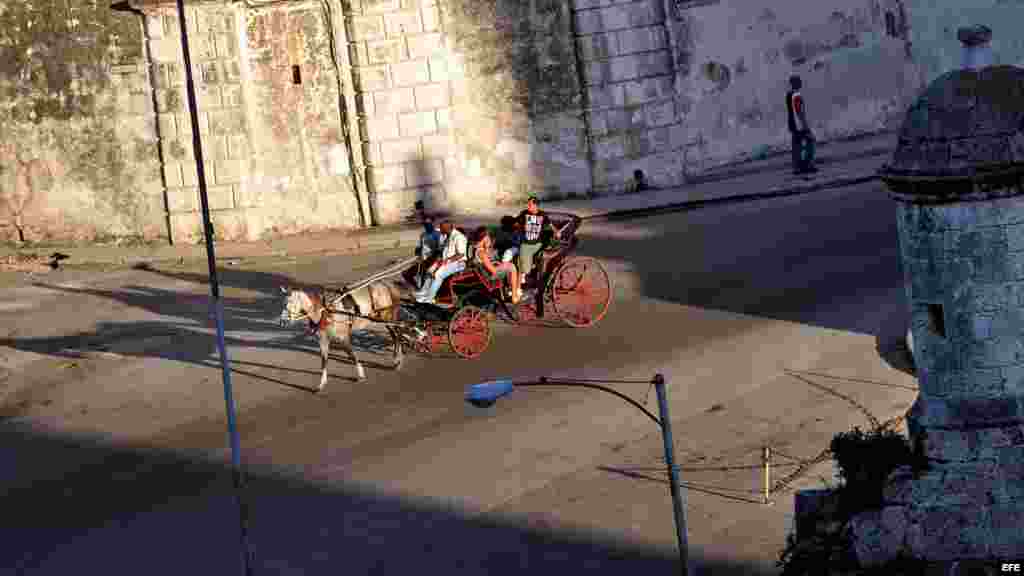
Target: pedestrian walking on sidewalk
{"x": 799, "y": 129}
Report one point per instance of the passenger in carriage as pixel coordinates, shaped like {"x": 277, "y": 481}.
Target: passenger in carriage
{"x": 485, "y": 256}
{"x": 428, "y": 250}
{"x": 507, "y": 239}
{"x": 452, "y": 261}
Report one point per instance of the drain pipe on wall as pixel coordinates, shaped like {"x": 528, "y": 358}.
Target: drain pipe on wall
{"x": 347, "y": 104}
{"x": 581, "y": 78}
{"x": 125, "y": 6}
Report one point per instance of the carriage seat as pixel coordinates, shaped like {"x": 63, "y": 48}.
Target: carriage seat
{"x": 475, "y": 274}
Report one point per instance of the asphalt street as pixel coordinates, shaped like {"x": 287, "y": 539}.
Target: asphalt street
{"x": 114, "y": 439}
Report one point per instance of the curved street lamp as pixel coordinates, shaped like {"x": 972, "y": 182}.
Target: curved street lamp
{"x": 485, "y": 394}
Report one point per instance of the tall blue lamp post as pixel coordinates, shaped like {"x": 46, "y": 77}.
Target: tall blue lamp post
{"x": 211, "y": 259}
{"x": 486, "y": 394}
{"x": 218, "y": 304}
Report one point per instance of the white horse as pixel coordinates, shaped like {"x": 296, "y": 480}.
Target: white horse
{"x": 334, "y": 316}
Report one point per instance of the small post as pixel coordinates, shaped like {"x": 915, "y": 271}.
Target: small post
{"x": 766, "y": 459}
{"x": 678, "y": 509}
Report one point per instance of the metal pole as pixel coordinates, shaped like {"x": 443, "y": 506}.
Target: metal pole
{"x": 766, "y": 459}
{"x": 218, "y": 306}
{"x": 678, "y": 508}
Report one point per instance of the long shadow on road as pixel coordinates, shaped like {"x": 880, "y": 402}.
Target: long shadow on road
{"x": 829, "y": 260}
{"x": 121, "y": 510}
{"x": 179, "y": 327}
{"x": 787, "y": 264}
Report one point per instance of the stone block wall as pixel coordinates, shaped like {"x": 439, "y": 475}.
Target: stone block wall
{"x": 965, "y": 281}
{"x": 630, "y": 78}
{"x": 330, "y": 114}
{"x": 403, "y": 92}
{"x": 300, "y": 167}
{"x": 519, "y": 122}
{"x": 222, "y": 124}
{"x": 267, "y": 93}
{"x": 964, "y": 275}
{"x": 734, "y": 60}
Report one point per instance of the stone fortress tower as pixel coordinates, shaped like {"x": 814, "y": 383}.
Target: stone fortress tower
{"x": 957, "y": 176}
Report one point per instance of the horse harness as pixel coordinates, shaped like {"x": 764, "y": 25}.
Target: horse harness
{"x": 322, "y": 300}
{"x": 329, "y": 311}
{"x": 325, "y": 312}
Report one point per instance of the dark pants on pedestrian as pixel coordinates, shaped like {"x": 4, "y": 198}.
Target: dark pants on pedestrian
{"x": 803, "y": 150}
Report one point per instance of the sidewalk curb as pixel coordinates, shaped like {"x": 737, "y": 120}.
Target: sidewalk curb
{"x": 693, "y": 204}
{"x": 344, "y": 246}
{"x": 714, "y": 176}
{"x": 409, "y": 238}
{"x": 782, "y": 155}
{"x": 225, "y": 254}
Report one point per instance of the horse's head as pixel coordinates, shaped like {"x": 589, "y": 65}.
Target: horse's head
{"x": 296, "y": 306}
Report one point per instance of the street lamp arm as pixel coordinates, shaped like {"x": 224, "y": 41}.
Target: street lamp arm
{"x": 487, "y": 393}
{"x": 573, "y": 383}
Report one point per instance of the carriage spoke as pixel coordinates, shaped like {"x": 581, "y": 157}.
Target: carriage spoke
{"x": 582, "y": 292}
{"x": 469, "y": 332}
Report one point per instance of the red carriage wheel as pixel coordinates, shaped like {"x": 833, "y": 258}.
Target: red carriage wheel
{"x": 581, "y": 292}
{"x": 424, "y": 339}
{"x": 469, "y": 332}
{"x": 438, "y": 336}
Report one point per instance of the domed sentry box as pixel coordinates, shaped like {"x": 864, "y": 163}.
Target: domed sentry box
{"x": 958, "y": 178}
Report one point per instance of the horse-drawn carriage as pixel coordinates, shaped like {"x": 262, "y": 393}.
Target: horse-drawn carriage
{"x": 578, "y": 290}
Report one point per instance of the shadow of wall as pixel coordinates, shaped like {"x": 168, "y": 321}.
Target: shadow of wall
{"x": 74, "y": 501}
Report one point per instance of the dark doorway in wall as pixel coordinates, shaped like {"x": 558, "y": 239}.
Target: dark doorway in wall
{"x": 296, "y": 75}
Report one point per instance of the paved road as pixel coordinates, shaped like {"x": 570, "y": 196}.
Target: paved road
{"x": 113, "y": 410}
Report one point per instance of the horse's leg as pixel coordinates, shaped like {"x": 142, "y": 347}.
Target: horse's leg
{"x": 325, "y": 351}
{"x": 399, "y": 356}
{"x": 347, "y": 344}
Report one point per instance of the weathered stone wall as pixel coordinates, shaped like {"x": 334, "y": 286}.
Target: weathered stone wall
{"x": 269, "y": 119}
{"x": 300, "y": 174}
{"x": 78, "y": 157}
{"x": 467, "y": 103}
{"x": 635, "y": 119}
{"x": 401, "y": 78}
{"x": 966, "y": 289}
{"x": 518, "y": 116}
{"x": 318, "y": 114}
{"x": 735, "y": 58}
{"x": 213, "y": 49}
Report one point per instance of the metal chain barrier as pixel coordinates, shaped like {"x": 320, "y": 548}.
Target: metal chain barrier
{"x": 828, "y": 390}
{"x": 801, "y": 465}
